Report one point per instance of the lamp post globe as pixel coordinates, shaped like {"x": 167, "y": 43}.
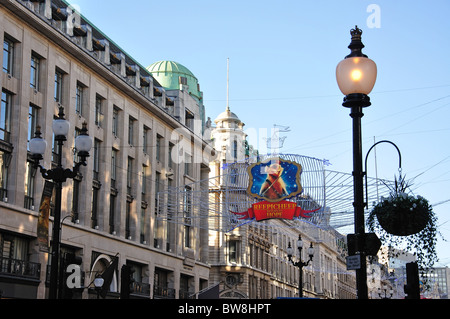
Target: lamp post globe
{"x": 37, "y": 144}
{"x": 299, "y": 242}
{"x": 356, "y": 75}
{"x": 83, "y": 142}
{"x": 61, "y": 127}
{"x": 311, "y": 251}
{"x": 290, "y": 251}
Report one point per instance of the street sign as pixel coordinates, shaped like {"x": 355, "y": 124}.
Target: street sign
{"x": 371, "y": 244}
{"x": 353, "y": 262}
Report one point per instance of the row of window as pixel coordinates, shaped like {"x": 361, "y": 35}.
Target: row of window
{"x": 81, "y": 105}
{"x": 82, "y": 110}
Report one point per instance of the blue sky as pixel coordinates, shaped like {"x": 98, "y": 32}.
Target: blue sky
{"x": 283, "y": 56}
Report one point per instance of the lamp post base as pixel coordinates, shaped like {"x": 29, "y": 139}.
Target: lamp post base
{"x": 357, "y": 99}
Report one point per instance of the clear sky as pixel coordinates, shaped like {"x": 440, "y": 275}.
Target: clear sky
{"x": 283, "y": 56}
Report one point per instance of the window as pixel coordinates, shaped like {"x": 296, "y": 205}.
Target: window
{"x": 188, "y": 164}
{"x": 189, "y": 120}
{"x": 142, "y": 225}
{"x": 115, "y": 123}
{"x": 58, "y": 86}
{"x": 29, "y": 186}
{"x": 184, "y": 286}
{"x": 233, "y": 246}
{"x": 131, "y": 130}
{"x": 8, "y": 54}
{"x": 98, "y": 110}
{"x": 145, "y": 140}
{"x": 128, "y": 220}
{"x": 234, "y": 176}
{"x": 13, "y": 247}
{"x": 159, "y": 141}
{"x": 112, "y": 213}
{"x": 5, "y": 116}
{"x": 144, "y": 181}
{"x": 113, "y": 168}
{"x": 96, "y": 159}
{"x": 34, "y": 72}
{"x": 5, "y": 159}
{"x": 171, "y": 146}
{"x": 182, "y": 80}
{"x": 235, "y": 150}
{"x": 129, "y": 175}
{"x": 79, "y": 96}
{"x": 187, "y": 212}
{"x": 157, "y": 182}
{"x": 94, "y": 211}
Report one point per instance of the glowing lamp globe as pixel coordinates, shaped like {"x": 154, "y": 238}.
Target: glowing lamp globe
{"x": 356, "y": 75}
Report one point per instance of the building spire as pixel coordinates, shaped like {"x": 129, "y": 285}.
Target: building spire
{"x": 228, "y": 84}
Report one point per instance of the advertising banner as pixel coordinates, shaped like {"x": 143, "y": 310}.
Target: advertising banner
{"x": 44, "y": 213}
{"x": 281, "y": 210}
{"x": 273, "y": 182}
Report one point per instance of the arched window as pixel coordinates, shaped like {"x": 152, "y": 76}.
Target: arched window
{"x": 235, "y": 149}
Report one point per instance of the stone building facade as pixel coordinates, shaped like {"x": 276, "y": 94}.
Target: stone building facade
{"x": 53, "y": 57}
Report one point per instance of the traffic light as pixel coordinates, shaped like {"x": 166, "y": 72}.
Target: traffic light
{"x": 412, "y": 287}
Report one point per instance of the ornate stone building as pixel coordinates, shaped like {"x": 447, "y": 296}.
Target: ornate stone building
{"x": 53, "y": 57}
{"x": 251, "y": 261}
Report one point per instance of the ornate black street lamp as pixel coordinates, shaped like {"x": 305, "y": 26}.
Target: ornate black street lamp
{"x": 98, "y": 284}
{"x": 83, "y": 144}
{"x": 300, "y": 264}
{"x": 385, "y": 290}
{"x": 356, "y": 76}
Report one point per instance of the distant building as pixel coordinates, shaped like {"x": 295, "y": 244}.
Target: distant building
{"x": 434, "y": 283}
{"x": 251, "y": 261}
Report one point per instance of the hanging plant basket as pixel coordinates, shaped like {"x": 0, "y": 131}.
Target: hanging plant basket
{"x": 406, "y": 223}
{"x": 402, "y": 214}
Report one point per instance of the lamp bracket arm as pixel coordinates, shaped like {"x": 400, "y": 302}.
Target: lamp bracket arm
{"x": 76, "y": 168}
{"x": 46, "y": 174}
{"x": 367, "y": 155}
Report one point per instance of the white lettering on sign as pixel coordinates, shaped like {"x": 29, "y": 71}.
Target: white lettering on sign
{"x": 353, "y": 262}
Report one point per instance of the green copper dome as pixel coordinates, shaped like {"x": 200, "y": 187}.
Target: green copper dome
{"x": 168, "y": 74}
